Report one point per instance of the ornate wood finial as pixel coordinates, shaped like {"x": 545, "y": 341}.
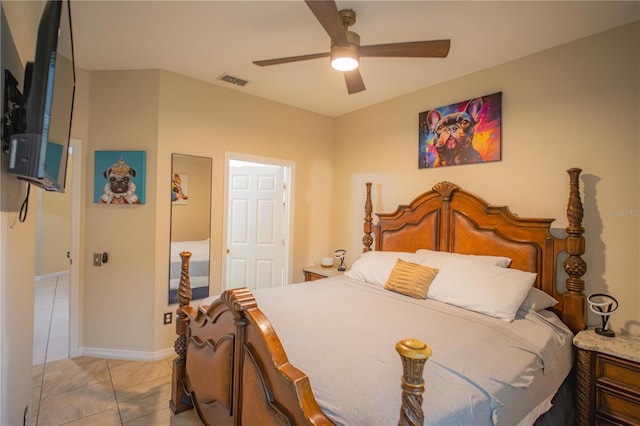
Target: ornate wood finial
{"x": 445, "y": 189}
{"x": 184, "y": 290}
{"x": 574, "y": 265}
{"x": 575, "y": 212}
{"x": 367, "y": 240}
{"x": 414, "y": 354}
{"x": 184, "y": 298}
{"x": 177, "y": 402}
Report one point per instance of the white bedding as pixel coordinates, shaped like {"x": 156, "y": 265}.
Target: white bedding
{"x": 483, "y": 371}
{"x": 198, "y": 262}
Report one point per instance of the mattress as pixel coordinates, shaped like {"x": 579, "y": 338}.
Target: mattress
{"x": 483, "y": 371}
{"x": 198, "y": 268}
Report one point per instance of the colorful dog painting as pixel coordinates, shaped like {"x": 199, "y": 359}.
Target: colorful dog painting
{"x": 463, "y": 133}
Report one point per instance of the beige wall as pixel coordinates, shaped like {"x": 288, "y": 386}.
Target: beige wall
{"x": 17, "y": 266}
{"x": 135, "y": 280}
{"x": 572, "y": 106}
{"x": 119, "y": 294}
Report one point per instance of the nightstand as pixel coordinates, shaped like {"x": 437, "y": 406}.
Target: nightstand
{"x": 312, "y": 273}
{"x": 608, "y": 379}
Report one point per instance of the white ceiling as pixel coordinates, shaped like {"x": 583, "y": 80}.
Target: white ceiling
{"x": 204, "y": 39}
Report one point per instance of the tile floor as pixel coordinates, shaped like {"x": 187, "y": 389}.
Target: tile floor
{"x": 91, "y": 391}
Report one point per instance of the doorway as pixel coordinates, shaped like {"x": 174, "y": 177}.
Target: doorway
{"x": 57, "y": 276}
{"x": 257, "y": 222}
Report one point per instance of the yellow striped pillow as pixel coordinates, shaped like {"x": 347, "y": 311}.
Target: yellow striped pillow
{"x": 410, "y": 279}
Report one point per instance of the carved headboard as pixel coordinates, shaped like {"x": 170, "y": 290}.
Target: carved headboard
{"x": 448, "y": 218}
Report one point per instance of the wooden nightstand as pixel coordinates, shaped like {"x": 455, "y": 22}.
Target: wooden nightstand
{"x": 608, "y": 379}
{"x": 312, "y": 273}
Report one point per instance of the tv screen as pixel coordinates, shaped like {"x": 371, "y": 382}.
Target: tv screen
{"x": 39, "y": 155}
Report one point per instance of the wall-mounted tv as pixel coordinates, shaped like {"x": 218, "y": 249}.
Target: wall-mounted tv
{"x": 38, "y": 140}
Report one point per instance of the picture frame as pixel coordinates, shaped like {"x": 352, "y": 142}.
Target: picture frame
{"x": 179, "y": 189}
{"x": 466, "y": 132}
{"x": 119, "y": 177}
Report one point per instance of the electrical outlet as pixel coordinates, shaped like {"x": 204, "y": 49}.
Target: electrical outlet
{"x": 97, "y": 259}
{"x": 168, "y": 317}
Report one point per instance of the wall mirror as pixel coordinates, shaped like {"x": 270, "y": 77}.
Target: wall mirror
{"x": 190, "y": 222}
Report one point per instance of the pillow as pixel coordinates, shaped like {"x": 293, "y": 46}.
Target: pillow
{"x": 436, "y": 259}
{"x": 537, "y": 300}
{"x": 410, "y": 279}
{"x": 374, "y": 267}
{"x": 481, "y": 287}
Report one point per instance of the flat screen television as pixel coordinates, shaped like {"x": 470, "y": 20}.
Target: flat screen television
{"x": 38, "y": 152}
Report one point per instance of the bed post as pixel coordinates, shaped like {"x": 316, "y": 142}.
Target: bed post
{"x": 573, "y": 299}
{"x": 414, "y": 354}
{"x": 367, "y": 240}
{"x": 180, "y": 401}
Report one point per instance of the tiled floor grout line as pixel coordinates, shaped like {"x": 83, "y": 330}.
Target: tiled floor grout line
{"x": 115, "y": 395}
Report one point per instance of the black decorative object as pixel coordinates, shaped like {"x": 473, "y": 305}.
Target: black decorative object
{"x": 603, "y": 305}
{"x": 340, "y": 254}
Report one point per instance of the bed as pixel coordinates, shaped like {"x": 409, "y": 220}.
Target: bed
{"x": 198, "y": 268}
{"x": 501, "y": 364}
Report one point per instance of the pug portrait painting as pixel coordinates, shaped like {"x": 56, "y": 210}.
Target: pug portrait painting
{"x": 119, "y": 177}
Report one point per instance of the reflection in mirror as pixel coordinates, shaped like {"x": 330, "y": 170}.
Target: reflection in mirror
{"x": 190, "y": 222}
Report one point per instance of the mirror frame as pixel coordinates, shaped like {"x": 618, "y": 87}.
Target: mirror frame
{"x": 190, "y": 209}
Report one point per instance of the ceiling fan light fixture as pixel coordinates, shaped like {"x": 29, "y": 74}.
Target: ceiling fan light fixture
{"x": 345, "y": 58}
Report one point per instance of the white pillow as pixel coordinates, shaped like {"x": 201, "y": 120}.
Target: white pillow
{"x": 436, "y": 259}
{"x": 537, "y": 300}
{"x": 481, "y": 287}
{"x": 374, "y": 267}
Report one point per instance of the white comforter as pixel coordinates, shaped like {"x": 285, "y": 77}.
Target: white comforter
{"x": 483, "y": 371}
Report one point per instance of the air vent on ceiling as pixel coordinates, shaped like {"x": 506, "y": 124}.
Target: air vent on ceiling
{"x": 233, "y": 80}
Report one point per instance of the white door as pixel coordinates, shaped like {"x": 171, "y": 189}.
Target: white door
{"x": 255, "y": 234}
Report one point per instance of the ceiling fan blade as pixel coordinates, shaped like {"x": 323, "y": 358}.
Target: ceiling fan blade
{"x": 326, "y": 13}
{"x": 354, "y": 81}
{"x": 278, "y": 61}
{"x": 413, "y": 49}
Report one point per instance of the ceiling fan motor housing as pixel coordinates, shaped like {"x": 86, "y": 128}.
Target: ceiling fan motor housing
{"x": 351, "y": 51}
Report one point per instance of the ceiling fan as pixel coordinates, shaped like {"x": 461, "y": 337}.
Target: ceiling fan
{"x": 345, "y": 45}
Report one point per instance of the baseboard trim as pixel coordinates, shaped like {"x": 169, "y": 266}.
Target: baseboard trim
{"x": 51, "y": 275}
{"x": 127, "y": 355}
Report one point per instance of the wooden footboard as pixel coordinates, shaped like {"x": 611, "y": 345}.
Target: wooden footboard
{"x": 237, "y": 372}
{"x": 232, "y": 368}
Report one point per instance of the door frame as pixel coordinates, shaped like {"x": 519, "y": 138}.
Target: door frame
{"x": 289, "y": 174}
{"x": 75, "y": 308}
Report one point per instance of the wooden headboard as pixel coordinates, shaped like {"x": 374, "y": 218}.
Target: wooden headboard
{"x": 448, "y": 218}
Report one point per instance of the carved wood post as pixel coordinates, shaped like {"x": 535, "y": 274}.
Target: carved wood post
{"x": 239, "y": 301}
{"x": 574, "y": 299}
{"x": 367, "y": 240}
{"x": 179, "y": 400}
{"x": 446, "y": 190}
{"x": 414, "y": 354}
